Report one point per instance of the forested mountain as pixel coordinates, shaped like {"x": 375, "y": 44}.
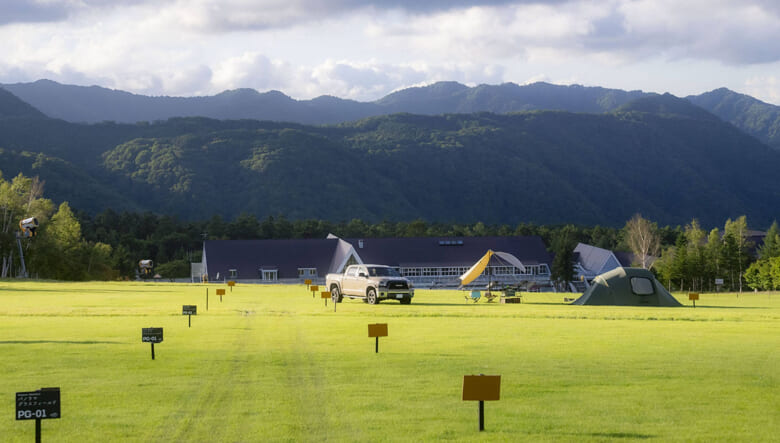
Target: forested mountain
{"x": 755, "y": 117}
{"x": 95, "y": 104}
{"x": 658, "y": 155}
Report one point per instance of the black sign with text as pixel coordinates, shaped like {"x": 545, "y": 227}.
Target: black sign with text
{"x": 41, "y": 404}
{"x": 189, "y": 310}
{"x": 152, "y": 335}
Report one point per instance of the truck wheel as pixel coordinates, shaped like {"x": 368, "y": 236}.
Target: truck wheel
{"x": 335, "y": 295}
{"x": 406, "y": 301}
{"x": 371, "y": 297}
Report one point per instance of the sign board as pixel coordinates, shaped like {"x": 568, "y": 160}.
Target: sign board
{"x": 307, "y": 282}
{"x": 377, "y": 330}
{"x": 41, "y": 404}
{"x": 325, "y": 294}
{"x": 718, "y": 281}
{"x": 314, "y": 288}
{"x": 152, "y": 335}
{"x": 189, "y": 310}
{"x": 231, "y": 283}
{"x": 220, "y": 292}
{"x": 481, "y": 387}
{"x": 693, "y": 296}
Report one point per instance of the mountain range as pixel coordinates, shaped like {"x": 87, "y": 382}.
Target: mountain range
{"x": 446, "y": 152}
{"x": 94, "y": 104}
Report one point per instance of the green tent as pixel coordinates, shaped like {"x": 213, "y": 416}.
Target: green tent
{"x": 627, "y": 287}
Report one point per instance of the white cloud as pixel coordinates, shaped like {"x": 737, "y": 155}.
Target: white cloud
{"x": 364, "y": 49}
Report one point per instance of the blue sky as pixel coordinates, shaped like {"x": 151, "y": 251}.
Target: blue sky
{"x": 366, "y": 49}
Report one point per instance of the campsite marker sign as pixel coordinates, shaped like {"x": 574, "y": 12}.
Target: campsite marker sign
{"x": 377, "y": 330}
{"x": 693, "y": 296}
{"x": 313, "y": 289}
{"x": 152, "y": 335}
{"x": 220, "y": 292}
{"x": 481, "y": 388}
{"x": 189, "y": 311}
{"x": 38, "y": 405}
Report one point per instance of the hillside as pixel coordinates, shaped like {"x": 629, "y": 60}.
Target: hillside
{"x": 755, "y": 117}
{"x": 94, "y": 104}
{"x": 660, "y": 156}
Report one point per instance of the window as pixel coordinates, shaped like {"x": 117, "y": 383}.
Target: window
{"x": 233, "y": 273}
{"x": 269, "y": 274}
{"x": 642, "y": 286}
{"x": 307, "y": 272}
{"x": 352, "y": 272}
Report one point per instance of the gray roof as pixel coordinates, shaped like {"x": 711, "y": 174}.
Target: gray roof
{"x": 447, "y": 251}
{"x": 286, "y": 256}
{"x": 596, "y": 260}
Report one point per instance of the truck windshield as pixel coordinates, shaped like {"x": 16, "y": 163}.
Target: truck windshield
{"x": 382, "y": 272}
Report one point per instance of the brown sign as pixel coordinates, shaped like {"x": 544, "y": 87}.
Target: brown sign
{"x": 325, "y": 294}
{"x": 693, "y": 296}
{"x": 481, "y": 387}
{"x": 231, "y": 283}
{"x": 377, "y": 330}
{"x": 307, "y": 281}
{"x": 220, "y": 292}
{"x": 314, "y": 288}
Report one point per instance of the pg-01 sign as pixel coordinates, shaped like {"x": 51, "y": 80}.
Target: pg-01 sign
{"x": 38, "y": 405}
{"x": 152, "y": 335}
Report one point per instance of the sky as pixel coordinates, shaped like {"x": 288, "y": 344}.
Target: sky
{"x": 365, "y": 49}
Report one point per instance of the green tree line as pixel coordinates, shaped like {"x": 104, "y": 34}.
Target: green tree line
{"x": 78, "y": 246}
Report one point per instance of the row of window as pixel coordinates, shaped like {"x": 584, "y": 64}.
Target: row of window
{"x": 456, "y": 271}
{"x": 272, "y": 274}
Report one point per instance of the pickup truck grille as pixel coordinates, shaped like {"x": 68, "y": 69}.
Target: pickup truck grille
{"x": 397, "y": 284}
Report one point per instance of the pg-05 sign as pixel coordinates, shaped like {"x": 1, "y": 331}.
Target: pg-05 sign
{"x": 38, "y": 405}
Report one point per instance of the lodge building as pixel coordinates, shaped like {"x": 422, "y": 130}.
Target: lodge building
{"x": 427, "y": 261}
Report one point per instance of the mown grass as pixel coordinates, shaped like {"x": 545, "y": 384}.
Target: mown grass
{"x": 272, "y": 363}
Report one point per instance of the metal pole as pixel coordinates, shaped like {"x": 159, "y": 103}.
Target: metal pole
{"x": 189, "y": 321}
{"x": 207, "y": 299}
{"x": 377, "y": 345}
{"x": 481, "y": 415}
{"x": 37, "y": 430}
{"x": 21, "y": 256}
{"x": 152, "y": 350}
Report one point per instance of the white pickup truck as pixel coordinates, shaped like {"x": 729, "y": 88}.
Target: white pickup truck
{"x": 372, "y": 283}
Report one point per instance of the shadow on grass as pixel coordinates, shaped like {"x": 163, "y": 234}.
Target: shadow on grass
{"x": 81, "y": 291}
{"x": 632, "y": 435}
{"x": 65, "y": 342}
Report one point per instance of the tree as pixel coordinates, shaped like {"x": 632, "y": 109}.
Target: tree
{"x": 771, "y": 246}
{"x": 642, "y": 238}
{"x": 19, "y": 199}
{"x": 738, "y": 253}
{"x": 563, "y": 243}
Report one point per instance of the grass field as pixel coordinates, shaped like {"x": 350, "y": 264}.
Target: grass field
{"x": 272, "y": 363}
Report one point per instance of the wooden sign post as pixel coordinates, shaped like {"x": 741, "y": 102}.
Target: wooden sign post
{"x": 38, "y": 405}
{"x": 377, "y": 330}
{"x": 152, "y": 335}
{"x": 481, "y": 388}
{"x": 230, "y": 284}
{"x": 693, "y": 296}
{"x": 189, "y": 311}
{"x": 313, "y": 289}
{"x": 308, "y": 282}
{"x": 326, "y": 296}
{"x": 220, "y": 292}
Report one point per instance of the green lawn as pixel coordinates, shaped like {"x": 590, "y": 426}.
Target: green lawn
{"x": 272, "y": 363}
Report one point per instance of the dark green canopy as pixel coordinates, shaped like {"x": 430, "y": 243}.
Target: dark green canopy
{"x": 627, "y": 287}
